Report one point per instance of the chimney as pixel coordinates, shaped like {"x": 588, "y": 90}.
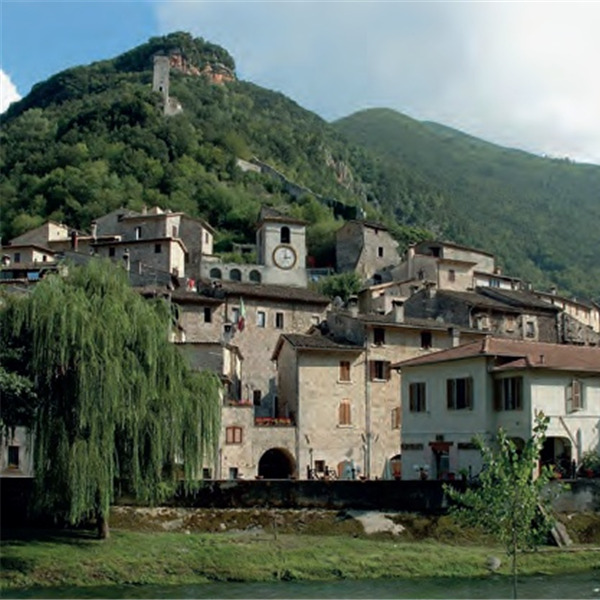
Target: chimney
{"x": 497, "y": 271}
{"x": 430, "y": 290}
{"x": 410, "y": 258}
{"x": 126, "y": 260}
{"x": 398, "y": 311}
{"x": 74, "y": 240}
{"x": 94, "y": 228}
{"x": 553, "y": 290}
{"x": 454, "y": 333}
{"x": 352, "y": 306}
{"x": 485, "y": 345}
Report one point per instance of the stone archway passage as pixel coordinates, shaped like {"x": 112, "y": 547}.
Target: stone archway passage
{"x": 276, "y": 463}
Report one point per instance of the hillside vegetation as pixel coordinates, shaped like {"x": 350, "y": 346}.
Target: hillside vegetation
{"x": 93, "y": 138}
{"x": 540, "y": 216}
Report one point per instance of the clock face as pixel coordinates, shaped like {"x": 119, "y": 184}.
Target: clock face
{"x": 284, "y": 257}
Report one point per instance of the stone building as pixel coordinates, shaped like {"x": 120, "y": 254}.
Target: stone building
{"x": 368, "y": 249}
{"x": 281, "y": 254}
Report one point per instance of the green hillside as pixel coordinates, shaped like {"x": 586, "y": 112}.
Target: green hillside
{"x": 94, "y": 138}
{"x": 540, "y": 216}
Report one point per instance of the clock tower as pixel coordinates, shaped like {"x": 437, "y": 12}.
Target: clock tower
{"x": 281, "y": 244}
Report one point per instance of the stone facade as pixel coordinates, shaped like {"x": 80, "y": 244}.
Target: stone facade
{"x": 367, "y": 249}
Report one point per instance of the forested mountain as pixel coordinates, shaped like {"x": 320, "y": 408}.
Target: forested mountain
{"x": 540, "y": 216}
{"x": 93, "y": 138}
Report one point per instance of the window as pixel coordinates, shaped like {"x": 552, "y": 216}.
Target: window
{"x": 451, "y": 275}
{"x": 379, "y": 370}
{"x": 235, "y": 315}
{"x": 574, "y": 396}
{"x": 509, "y": 323}
{"x": 529, "y": 329}
{"x": 416, "y": 397}
{"x": 206, "y": 473}
{"x": 233, "y": 472}
{"x": 380, "y": 251}
{"x": 174, "y": 231}
{"x": 345, "y": 413}
{"x": 205, "y": 237}
{"x": 344, "y": 370}
{"x": 261, "y": 318}
{"x": 111, "y": 252}
{"x": 233, "y": 435}
{"x": 157, "y": 248}
{"x": 426, "y": 340}
{"x": 256, "y": 397}
{"x": 319, "y": 466}
{"x": 459, "y": 393}
{"x": 44, "y": 258}
{"x": 284, "y": 235}
{"x": 379, "y": 336}
{"x": 207, "y": 314}
{"x": 508, "y": 393}
{"x": 13, "y": 457}
{"x": 495, "y": 283}
{"x": 396, "y": 417}
{"x": 215, "y": 273}
{"x": 235, "y": 275}
{"x": 254, "y": 276}
{"x": 279, "y": 320}
{"x": 138, "y": 233}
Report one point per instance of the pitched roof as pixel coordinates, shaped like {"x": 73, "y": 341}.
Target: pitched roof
{"x": 408, "y": 322}
{"x": 226, "y": 289}
{"x": 525, "y": 355}
{"x": 519, "y": 298}
{"x": 314, "y": 342}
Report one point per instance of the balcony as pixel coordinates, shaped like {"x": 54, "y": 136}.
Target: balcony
{"x": 273, "y": 422}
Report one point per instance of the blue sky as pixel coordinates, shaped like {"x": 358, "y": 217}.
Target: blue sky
{"x": 521, "y": 74}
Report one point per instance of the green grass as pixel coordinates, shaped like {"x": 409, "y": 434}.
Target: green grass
{"x": 177, "y": 558}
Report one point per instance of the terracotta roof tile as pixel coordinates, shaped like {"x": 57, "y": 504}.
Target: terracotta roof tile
{"x": 532, "y": 355}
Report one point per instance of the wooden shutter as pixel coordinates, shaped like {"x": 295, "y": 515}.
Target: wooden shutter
{"x": 450, "y": 390}
{"x": 469, "y": 393}
{"x": 498, "y": 396}
{"x": 387, "y": 371}
{"x": 576, "y": 394}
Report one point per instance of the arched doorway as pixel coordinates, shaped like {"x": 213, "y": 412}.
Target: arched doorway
{"x": 276, "y": 463}
{"x": 557, "y": 452}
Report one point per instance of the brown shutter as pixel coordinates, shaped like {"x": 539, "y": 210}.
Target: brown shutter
{"x": 450, "y": 386}
{"x": 387, "y": 371}
{"x": 371, "y": 370}
{"x": 469, "y": 392}
{"x": 576, "y": 395}
{"x": 498, "y": 395}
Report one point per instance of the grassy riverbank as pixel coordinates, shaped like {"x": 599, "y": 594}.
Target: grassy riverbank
{"x": 53, "y": 559}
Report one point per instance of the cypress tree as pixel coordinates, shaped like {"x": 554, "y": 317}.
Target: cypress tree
{"x": 115, "y": 400}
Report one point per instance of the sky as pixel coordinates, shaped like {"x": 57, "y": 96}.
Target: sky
{"x": 519, "y": 74}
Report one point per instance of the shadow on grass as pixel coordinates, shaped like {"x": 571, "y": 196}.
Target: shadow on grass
{"x": 15, "y": 536}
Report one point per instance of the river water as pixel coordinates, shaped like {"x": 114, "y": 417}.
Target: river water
{"x": 583, "y": 585}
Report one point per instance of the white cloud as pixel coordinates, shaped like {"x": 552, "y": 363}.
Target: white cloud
{"x": 8, "y": 91}
{"x": 521, "y": 74}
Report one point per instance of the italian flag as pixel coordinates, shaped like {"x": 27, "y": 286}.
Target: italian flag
{"x": 242, "y": 316}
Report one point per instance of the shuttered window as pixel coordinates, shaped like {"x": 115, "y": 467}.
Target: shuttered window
{"x": 575, "y": 396}
{"x": 459, "y": 393}
{"x": 379, "y": 370}
{"x": 508, "y": 393}
{"x": 345, "y": 413}
{"x": 344, "y": 370}
{"x": 416, "y": 397}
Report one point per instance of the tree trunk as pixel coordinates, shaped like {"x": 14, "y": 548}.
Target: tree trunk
{"x": 103, "y": 530}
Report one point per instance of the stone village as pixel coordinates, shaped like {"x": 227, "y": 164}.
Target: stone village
{"x": 437, "y": 347}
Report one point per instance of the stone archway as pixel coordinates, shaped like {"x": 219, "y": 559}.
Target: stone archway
{"x": 276, "y": 463}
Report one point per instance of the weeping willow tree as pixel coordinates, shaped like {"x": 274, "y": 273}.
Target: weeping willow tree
{"x": 115, "y": 400}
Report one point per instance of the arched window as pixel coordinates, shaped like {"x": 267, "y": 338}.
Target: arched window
{"x": 235, "y": 275}
{"x": 284, "y": 235}
{"x": 255, "y": 276}
{"x": 215, "y": 273}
